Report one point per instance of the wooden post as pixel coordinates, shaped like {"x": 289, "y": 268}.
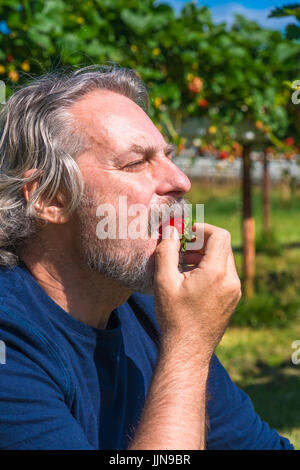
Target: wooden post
{"x": 266, "y": 186}
{"x": 248, "y": 226}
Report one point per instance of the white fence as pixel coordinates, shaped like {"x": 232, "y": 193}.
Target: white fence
{"x": 209, "y": 167}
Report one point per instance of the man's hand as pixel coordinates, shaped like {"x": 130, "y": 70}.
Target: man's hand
{"x": 196, "y": 305}
{"x": 193, "y": 308}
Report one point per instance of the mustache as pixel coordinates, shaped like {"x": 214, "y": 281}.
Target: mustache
{"x": 161, "y": 213}
{"x": 158, "y": 214}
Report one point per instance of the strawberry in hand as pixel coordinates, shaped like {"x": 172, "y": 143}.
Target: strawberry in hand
{"x": 180, "y": 226}
{"x": 177, "y": 222}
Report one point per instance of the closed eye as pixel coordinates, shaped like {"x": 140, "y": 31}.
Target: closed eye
{"x": 169, "y": 152}
{"x": 132, "y": 166}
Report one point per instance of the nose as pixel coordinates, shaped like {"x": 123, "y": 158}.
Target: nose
{"x": 171, "y": 180}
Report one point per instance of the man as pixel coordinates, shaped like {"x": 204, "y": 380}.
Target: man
{"x": 109, "y": 341}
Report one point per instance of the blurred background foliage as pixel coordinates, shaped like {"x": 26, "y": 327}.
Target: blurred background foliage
{"x": 292, "y": 9}
{"x": 192, "y": 66}
{"x": 235, "y": 80}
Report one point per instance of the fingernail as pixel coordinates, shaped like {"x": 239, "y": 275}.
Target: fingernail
{"x": 170, "y": 232}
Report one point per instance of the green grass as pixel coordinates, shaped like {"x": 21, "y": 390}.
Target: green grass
{"x": 259, "y": 361}
{"x": 258, "y": 355}
{"x": 277, "y": 290}
{"x": 222, "y": 207}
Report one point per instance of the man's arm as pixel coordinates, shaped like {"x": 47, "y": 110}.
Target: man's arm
{"x": 174, "y": 415}
{"x": 193, "y": 309}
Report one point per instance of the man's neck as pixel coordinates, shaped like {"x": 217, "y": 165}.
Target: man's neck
{"x": 85, "y": 295}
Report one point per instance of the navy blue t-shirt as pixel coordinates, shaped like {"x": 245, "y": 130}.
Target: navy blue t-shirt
{"x": 66, "y": 385}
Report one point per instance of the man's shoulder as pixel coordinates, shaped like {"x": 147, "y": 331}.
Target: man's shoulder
{"x": 23, "y": 311}
{"x": 12, "y": 290}
{"x": 30, "y": 340}
{"x": 9, "y": 277}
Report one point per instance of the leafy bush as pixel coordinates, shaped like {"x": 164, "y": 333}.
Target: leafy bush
{"x": 277, "y": 299}
{"x": 192, "y": 66}
{"x": 268, "y": 243}
{"x": 265, "y": 309}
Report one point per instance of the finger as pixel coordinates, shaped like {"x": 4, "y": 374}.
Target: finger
{"x": 233, "y": 276}
{"x": 190, "y": 257}
{"x": 202, "y": 231}
{"x": 231, "y": 266}
{"x": 216, "y": 246}
{"x": 167, "y": 257}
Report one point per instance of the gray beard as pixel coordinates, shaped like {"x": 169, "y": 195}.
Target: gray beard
{"x": 136, "y": 273}
{"x": 106, "y": 257}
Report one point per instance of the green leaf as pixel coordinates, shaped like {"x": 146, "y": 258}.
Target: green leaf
{"x": 10, "y": 3}
{"x": 138, "y": 23}
{"x": 292, "y": 31}
{"x": 148, "y": 73}
{"x": 280, "y": 12}
{"x": 143, "y": 23}
{"x": 39, "y": 39}
{"x": 53, "y": 6}
{"x": 44, "y": 24}
{"x": 95, "y": 48}
{"x": 14, "y": 20}
{"x": 285, "y": 51}
{"x": 69, "y": 43}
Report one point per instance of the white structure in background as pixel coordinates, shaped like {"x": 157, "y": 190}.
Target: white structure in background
{"x": 209, "y": 167}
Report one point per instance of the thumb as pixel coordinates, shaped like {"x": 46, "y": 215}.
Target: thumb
{"x": 167, "y": 257}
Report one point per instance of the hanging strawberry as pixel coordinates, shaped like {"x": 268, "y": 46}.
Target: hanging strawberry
{"x": 203, "y": 103}
{"x": 290, "y": 141}
{"x": 223, "y": 155}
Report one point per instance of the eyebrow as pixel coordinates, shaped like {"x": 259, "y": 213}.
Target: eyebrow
{"x": 150, "y": 150}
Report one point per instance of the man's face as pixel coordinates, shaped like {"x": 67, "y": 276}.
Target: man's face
{"x": 126, "y": 156}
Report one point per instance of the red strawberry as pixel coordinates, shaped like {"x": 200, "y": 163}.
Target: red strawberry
{"x": 223, "y": 155}
{"x": 290, "y": 141}
{"x": 177, "y": 222}
{"x": 202, "y": 103}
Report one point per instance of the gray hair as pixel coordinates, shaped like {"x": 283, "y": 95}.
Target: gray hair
{"x": 38, "y": 132}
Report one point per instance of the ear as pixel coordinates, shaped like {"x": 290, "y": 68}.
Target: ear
{"x": 49, "y": 211}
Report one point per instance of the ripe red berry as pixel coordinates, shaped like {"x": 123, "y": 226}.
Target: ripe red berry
{"x": 290, "y": 141}
{"x": 223, "y": 155}
{"x": 203, "y": 103}
{"x": 177, "y": 222}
